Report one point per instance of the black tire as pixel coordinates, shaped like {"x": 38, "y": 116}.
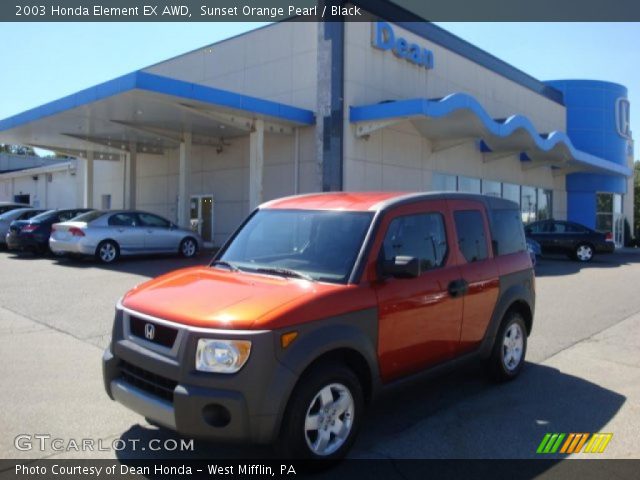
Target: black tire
{"x": 107, "y": 246}
{"x": 499, "y": 366}
{"x": 583, "y": 253}
{"x": 187, "y": 252}
{"x": 293, "y": 439}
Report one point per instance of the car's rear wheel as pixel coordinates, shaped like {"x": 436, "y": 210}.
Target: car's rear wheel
{"x": 188, "y": 247}
{"x": 510, "y": 348}
{"x": 108, "y": 251}
{"x": 583, "y": 252}
{"x": 323, "y": 415}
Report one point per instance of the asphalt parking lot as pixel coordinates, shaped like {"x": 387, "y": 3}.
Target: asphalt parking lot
{"x": 583, "y": 372}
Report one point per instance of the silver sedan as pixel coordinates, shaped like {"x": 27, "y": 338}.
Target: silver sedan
{"x": 109, "y": 234}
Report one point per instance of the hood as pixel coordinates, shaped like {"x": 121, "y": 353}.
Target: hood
{"x": 215, "y": 298}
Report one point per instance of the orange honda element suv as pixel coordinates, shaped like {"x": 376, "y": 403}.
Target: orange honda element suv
{"x": 314, "y": 306}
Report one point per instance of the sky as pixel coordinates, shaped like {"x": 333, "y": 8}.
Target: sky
{"x": 45, "y": 61}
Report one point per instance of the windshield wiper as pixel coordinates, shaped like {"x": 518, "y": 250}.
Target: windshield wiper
{"x": 224, "y": 263}
{"x": 285, "y": 272}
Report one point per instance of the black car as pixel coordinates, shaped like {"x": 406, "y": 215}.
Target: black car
{"x": 33, "y": 234}
{"x": 577, "y": 241}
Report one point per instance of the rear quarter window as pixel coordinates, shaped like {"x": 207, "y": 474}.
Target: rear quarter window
{"x": 508, "y": 232}
{"x": 471, "y": 236}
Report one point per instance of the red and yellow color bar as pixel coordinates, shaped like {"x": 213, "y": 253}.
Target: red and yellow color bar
{"x": 574, "y": 443}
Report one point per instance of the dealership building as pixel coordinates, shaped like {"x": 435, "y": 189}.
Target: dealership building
{"x": 298, "y": 107}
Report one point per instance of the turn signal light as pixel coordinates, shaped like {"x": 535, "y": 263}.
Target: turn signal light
{"x": 287, "y": 339}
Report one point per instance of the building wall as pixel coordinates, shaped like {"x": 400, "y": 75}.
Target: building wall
{"x": 278, "y": 63}
{"x": 399, "y": 157}
{"x": 58, "y": 189}
{"x": 373, "y": 75}
{"x": 225, "y": 175}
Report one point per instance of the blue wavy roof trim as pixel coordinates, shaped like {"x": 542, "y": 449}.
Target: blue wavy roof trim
{"x": 503, "y": 128}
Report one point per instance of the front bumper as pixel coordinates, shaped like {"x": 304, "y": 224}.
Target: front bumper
{"x": 243, "y": 407}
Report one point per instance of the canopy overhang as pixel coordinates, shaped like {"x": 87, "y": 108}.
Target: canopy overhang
{"x": 146, "y": 112}
{"x": 459, "y": 118}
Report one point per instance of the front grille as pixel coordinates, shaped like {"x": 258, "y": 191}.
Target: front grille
{"x": 162, "y": 335}
{"x": 149, "y": 382}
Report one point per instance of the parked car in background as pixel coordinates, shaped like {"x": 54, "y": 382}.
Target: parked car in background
{"x": 316, "y": 305}
{"x": 33, "y": 234}
{"x": 7, "y": 206}
{"x": 534, "y": 250}
{"x": 16, "y": 214}
{"x": 577, "y": 241}
{"x": 109, "y": 234}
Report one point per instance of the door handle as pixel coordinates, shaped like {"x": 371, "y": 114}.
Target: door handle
{"x": 458, "y": 288}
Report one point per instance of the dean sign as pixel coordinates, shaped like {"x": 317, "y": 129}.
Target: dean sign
{"x": 384, "y": 38}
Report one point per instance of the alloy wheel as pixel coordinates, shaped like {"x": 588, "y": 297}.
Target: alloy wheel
{"x": 584, "y": 253}
{"x": 189, "y": 248}
{"x": 329, "y": 419}
{"x": 512, "y": 347}
{"x": 108, "y": 252}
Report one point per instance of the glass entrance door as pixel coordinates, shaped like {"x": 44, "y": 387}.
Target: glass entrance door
{"x": 202, "y": 217}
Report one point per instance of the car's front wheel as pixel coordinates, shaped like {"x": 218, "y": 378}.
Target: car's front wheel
{"x": 583, "y": 252}
{"x": 108, "y": 251}
{"x": 510, "y": 348}
{"x": 324, "y": 414}
{"x": 188, "y": 247}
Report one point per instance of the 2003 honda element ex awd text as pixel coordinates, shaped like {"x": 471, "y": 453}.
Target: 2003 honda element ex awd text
{"x": 314, "y": 306}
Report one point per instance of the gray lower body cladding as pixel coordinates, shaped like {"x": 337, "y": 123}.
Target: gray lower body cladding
{"x": 163, "y": 385}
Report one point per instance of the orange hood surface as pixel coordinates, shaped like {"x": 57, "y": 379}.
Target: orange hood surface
{"x": 215, "y": 298}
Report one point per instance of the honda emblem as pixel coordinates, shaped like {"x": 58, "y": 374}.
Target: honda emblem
{"x": 149, "y": 331}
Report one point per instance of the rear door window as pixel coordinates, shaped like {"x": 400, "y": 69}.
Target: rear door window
{"x": 122, "y": 220}
{"x": 421, "y": 236}
{"x": 150, "y": 220}
{"x": 472, "y": 239}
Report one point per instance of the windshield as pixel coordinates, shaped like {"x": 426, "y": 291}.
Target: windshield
{"x": 322, "y": 245}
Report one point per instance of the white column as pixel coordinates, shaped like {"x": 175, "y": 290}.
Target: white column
{"x": 256, "y": 164}
{"x": 184, "y": 180}
{"x": 88, "y": 181}
{"x": 132, "y": 171}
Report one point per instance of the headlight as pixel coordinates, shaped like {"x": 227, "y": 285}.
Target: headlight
{"x": 222, "y": 356}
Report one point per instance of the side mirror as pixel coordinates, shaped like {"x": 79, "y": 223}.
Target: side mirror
{"x": 401, "y": 267}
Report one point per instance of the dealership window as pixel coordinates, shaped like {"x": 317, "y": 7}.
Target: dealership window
{"x": 443, "y": 182}
{"x": 511, "y": 192}
{"x": 544, "y": 204}
{"x": 528, "y": 203}
{"x": 491, "y": 188}
{"x": 468, "y": 184}
{"x": 420, "y": 236}
{"x": 472, "y": 240}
